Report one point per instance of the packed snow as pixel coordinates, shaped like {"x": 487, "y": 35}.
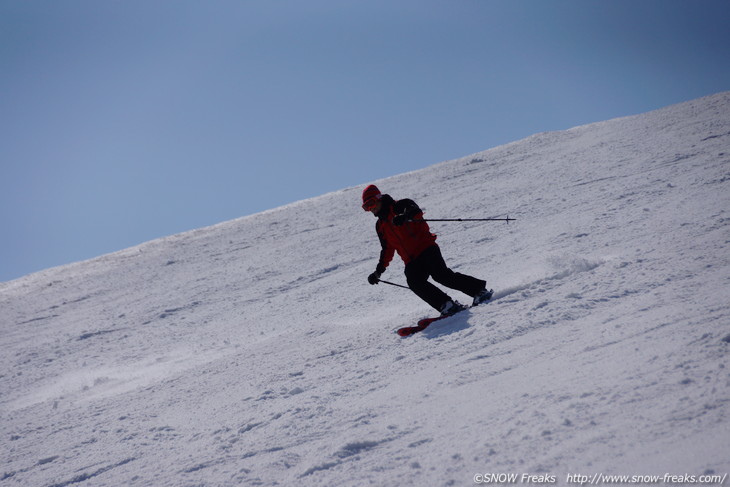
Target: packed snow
{"x": 254, "y": 352}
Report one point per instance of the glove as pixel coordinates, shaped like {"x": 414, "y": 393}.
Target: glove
{"x": 374, "y": 277}
{"x": 399, "y": 220}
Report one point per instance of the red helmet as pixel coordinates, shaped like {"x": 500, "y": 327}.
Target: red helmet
{"x": 370, "y": 197}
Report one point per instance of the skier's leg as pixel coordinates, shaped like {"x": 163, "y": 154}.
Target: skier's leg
{"x": 455, "y": 280}
{"x": 417, "y": 277}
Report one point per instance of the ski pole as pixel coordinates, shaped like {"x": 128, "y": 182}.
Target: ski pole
{"x": 508, "y": 219}
{"x": 393, "y": 284}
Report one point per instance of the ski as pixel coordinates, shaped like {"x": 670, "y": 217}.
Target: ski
{"x": 424, "y": 323}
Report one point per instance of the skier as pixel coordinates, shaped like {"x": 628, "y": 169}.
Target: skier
{"x": 400, "y": 227}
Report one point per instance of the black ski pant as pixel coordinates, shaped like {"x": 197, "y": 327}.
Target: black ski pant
{"x": 431, "y": 264}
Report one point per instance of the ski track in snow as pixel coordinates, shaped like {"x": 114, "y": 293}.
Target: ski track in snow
{"x": 253, "y": 352}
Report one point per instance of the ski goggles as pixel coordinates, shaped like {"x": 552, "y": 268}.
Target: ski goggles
{"x": 371, "y": 203}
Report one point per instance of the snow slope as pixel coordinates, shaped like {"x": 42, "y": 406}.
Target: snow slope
{"x": 254, "y": 352}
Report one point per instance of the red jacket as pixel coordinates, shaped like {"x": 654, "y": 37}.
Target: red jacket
{"x": 409, "y": 239}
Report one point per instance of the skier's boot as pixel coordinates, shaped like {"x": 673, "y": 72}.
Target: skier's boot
{"x": 451, "y": 307}
{"x": 483, "y": 295}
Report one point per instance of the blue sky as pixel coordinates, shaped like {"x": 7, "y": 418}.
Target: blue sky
{"x": 125, "y": 121}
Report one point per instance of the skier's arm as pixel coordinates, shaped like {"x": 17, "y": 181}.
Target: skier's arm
{"x": 386, "y": 254}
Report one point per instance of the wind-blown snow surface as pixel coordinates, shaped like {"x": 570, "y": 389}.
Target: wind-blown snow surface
{"x": 255, "y": 353}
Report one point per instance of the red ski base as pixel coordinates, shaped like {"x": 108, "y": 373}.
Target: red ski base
{"x": 422, "y": 325}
